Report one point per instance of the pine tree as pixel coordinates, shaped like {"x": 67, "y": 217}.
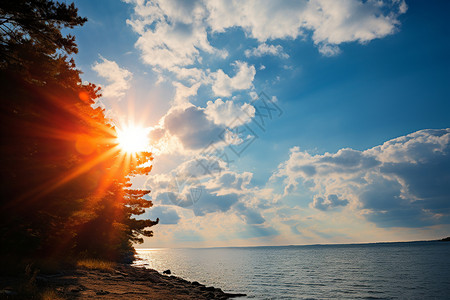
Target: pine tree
{"x": 64, "y": 188}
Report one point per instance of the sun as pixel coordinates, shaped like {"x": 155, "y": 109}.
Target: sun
{"x": 132, "y": 139}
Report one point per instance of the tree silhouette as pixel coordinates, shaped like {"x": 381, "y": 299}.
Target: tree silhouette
{"x": 34, "y": 27}
{"x": 65, "y": 189}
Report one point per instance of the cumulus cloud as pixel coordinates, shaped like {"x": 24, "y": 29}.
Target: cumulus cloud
{"x": 212, "y": 203}
{"x": 192, "y": 127}
{"x": 118, "y": 78}
{"x": 223, "y": 113}
{"x": 330, "y": 202}
{"x": 329, "y": 22}
{"x": 265, "y": 49}
{"x": 335, "y": 22}
{"x": 230, "y": 182}
{"x": 262, "y": 20}
{"x": 200, "y": 166}
{"x": 172, "y": 45}
{"x": 183, "y": 93}
{"x": 204, "y": 191}
{"x": 250, "y": 215}
{"x": 224, "y": 85}
{"x": 329, "y": 50}
{"x": 187, "y": 128}
{"x": 174, "y": 33}
{"x": 192, "y": 75}
{"x": 401, "y": 183}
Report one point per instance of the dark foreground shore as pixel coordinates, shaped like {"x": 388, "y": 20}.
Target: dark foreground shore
{"x": 122, "y": 282}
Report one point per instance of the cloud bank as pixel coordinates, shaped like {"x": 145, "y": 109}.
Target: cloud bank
{"x": 404, "y": 182}
{"x": 175, "y": 33}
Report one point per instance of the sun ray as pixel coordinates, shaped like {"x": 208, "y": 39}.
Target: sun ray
{"x": 70, "y": 175}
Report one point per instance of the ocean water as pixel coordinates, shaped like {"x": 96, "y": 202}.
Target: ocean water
{"x": 417, "y": 270}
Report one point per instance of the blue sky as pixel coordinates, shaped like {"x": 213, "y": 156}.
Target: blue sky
{"x": 356, "y": 150}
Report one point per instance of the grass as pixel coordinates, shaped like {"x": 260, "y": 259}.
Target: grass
{"x": 96, "y": 264}
{"x": 51, "y": 295}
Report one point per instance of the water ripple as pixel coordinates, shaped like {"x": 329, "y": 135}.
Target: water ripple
{"x": 372, "y": 271}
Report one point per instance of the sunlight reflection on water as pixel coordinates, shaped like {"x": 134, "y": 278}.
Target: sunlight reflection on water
{"x": 375, "y": 271}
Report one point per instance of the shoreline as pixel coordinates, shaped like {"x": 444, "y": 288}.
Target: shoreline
{"x": 122, "y": 282}
{"x": 446, "y": 239}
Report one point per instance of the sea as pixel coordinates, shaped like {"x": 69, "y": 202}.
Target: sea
{"x": 409, "y": 270}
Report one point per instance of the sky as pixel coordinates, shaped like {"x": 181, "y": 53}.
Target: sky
{"x": 281, "y": 122}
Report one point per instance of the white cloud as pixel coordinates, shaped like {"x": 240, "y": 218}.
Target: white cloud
{"x": 118, "y": 78}
{"x": 192, "y": 127}
{"x": 206, "y": 185}
{"x": 193, "y": 75}
{"x": 182, "y": 94}
{"x": 230, "y": 181}
{"x": 224, "y": 85}
{"x": 173, "y": 45}
{"x": 329, "y": 21}
{"x": 223, "y": 113}
{"x": 187, "y": 129}
{"x": 172, "y": 33}
{"x": 329, "y": 50}
{"x": 402, "y": 6}
{"x": 264, "y": 49}
{"x": 402, "y": 183}
{"x": 329, "y": 202}
{"x": 262, "y": 20}
{"x": 174, "y": 36}
{"x": 336, "y": 22}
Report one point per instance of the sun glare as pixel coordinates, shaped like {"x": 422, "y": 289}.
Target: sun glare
{"x": 132, "y": 139}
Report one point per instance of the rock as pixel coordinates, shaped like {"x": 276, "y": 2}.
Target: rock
{"x": 183, "y": 291}
{"x": 8, "y": 292}
{"x": 120, "y": 273}
{"x": 231, "y": 295}
{"x": 102, "y": 292}
{"x": 136, "y": 283}
{"x": 59, "y": 274}
{"x": 41, "y": 280}
{"x": 167, "y": 272}
{"x": 152, "y": 278}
